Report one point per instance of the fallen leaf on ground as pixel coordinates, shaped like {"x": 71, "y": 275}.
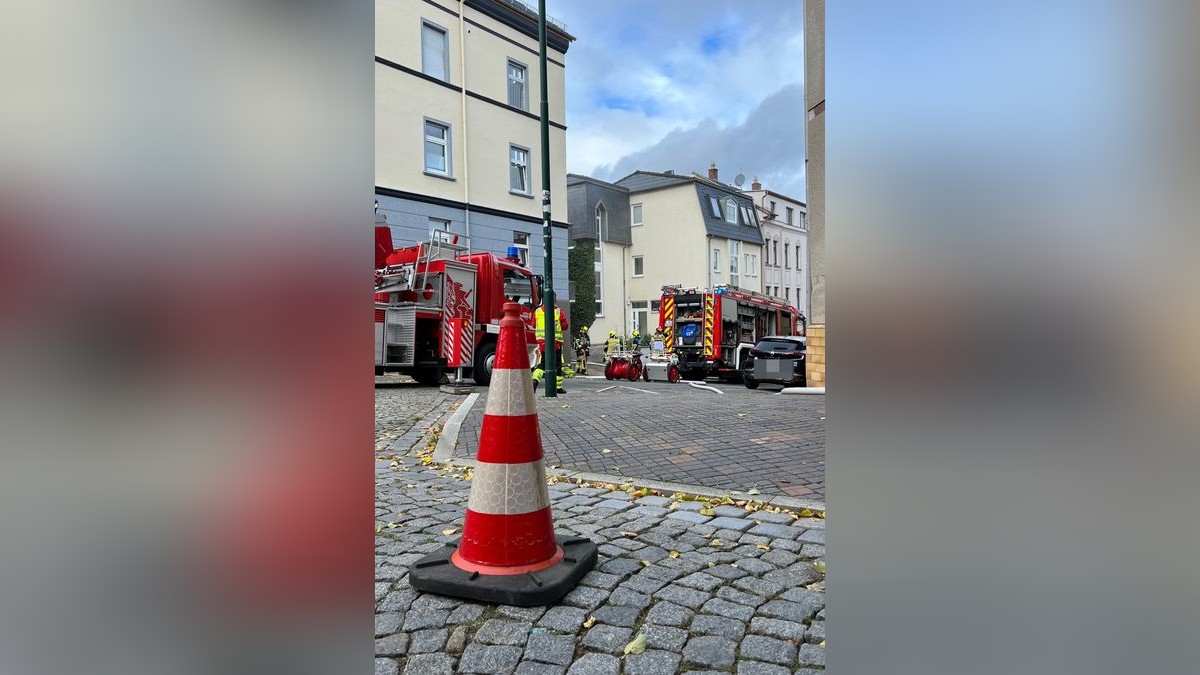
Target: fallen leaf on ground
{"x": 450, "y": 531}
{"x": 605, "y": 451}
{"x": 392, "y": 526}
{"x": 673, "y": 554}
{"x": 763, "y": 547}
{"x": 816, "y": 586}
{"x": 820, "y": 565}
{"x": 628, "y": 533}
{"x": 753, "y": 491}
{"x": 637, "y": 645}
{"x": 717, "y": 542}
{"x": 645, "y": 563}
{"x": 591, "y": 621}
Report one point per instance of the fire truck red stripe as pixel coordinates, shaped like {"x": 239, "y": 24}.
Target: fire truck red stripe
{"x": 510, "y": 440}
{"x": 498, "y": 540}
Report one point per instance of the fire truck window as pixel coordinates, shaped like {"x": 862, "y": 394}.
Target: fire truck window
{"x": 518, "y": 286}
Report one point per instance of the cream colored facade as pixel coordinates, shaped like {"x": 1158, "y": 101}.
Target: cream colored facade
{"x": 475, "y": 197}
{"x": 676, "y": 250}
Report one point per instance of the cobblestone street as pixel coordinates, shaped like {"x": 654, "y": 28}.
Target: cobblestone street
{"x": 726, "y": 590}
{"x": 740, "y": 440}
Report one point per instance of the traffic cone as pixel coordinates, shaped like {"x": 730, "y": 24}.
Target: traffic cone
{"x": 508, "y": 553}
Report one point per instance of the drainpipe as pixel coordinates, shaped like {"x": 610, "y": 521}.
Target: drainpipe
{"x": 626, "y": 307}
{"x": 462, "y": 75}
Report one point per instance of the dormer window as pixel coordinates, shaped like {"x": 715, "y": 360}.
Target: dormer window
{"x": 731, "y": 211}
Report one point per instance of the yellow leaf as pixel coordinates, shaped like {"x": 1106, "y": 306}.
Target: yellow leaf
{"x": 806, "y": 513}
{"x": 392, "y": 526}
{"x": 820, "y": 565}
{"x": 427, "y": 460}
{"x": 764, "y": 547}
{"x": 591, "y": 621}
{"x": 707, "y": 512}
{"x": 637, "y": 645}
{"x": 645, "y": 563}
{"x": 450, "y": 531}
{"x": 378, "y": 529}
{"x": 672, "y": 506}
{"x": 673, "y": 554}
{"x": 717, "y": 542}
{"x": 753, "y": 491}
{"x": 822, "y": 643}
{"x": 678, "y": 495}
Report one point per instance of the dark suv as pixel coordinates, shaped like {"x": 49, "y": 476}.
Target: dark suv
{"x": 777, "y": 359}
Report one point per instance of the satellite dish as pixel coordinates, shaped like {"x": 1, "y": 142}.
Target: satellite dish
{"x": 739, "y": 179}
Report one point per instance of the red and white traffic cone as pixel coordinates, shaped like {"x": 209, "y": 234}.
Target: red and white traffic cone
{"x": 508, "y": 553}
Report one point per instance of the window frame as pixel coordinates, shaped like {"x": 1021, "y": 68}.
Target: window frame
{"x": 714, "y": 206}
{"x": 522, "y": 246}
{"x": 638, "y": 221}
{"x": 791, "y": 213}
{"x": 510, "y": 63}
{"x": 447, "y": 144}
{"x": 445, "y": 50}
{"x": 751, "y": 264}
{"x": 716, "y": 260}
{"x": 528, "y": 172}
{"x": 731, "y": 207}
{"x": 787, "y": 256}
{"x": 639, "y": 259}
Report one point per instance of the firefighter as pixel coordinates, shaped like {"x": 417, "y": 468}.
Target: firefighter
{"x": 659, "y": 336}
{"x": 583, "y": 346}
{"x": 612, "y": 343}
{"x": 635, "y": 340}
{"x": 560, "y": 325}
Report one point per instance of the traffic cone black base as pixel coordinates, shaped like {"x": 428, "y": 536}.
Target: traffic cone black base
{"x": 436, "y": 573}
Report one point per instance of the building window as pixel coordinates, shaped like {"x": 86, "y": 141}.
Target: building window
{"x": 439, "y": 225}
{"x": 789, "y": 215}
{"x": 654, "y": 305}
{"x": 747, "y": 219}
{"x": 635, "y": 214}
{"x": 638, "y": 265}
{"x": 735, "y": 254}
{"x": 731, "y": 211}
{"x": 751, "y": 265}
{"x": 715, "y": 207}
{"x": 599, "y": 291}
{"x": 518, "y": 169}
{"x": 787, "y": 294}
{"x": 601, "y": 224}
{"x": 787, "y": 257}
{"x": 776, "y": 242}
{"x": 518, "y": 92}
{"x": 772, "y": 207}
{"x": 797, "y": 256}
{"x": 716, "y": 260}
{"x": 803, "y": 225}
{"x": 521, "y": 241}
{"x": 437, "y": 148}
{"x": 435, "y": 55}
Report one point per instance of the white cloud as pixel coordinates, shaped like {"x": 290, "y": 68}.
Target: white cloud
{"x": 640, "y": 86}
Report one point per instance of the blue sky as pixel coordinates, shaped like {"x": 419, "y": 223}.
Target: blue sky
{"x": 678, "y": 84}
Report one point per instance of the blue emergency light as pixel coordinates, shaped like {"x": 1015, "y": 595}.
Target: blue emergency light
{"x": 513, "y": 253}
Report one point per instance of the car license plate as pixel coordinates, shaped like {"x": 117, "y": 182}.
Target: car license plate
{"x": 773, "y": 366}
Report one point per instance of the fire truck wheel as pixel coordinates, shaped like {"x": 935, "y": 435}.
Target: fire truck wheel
{"x": 635, "y": 371}
{"x": 645, "y": 373}
{"x": 426, "y": 376}
{"x": 484, "y": 360}
{"x": 750, "y": 382}
{"x": 608, "y": 370}
{"x": 673, "y": 374}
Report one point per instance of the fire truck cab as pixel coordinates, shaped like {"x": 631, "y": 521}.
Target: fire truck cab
{"x": 712, "y": 331}
{"x": 438, "y": 306}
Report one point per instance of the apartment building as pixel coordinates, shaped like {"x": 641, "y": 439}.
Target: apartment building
{"x": 686, "y": 230}
{"x": 457, "y": 125}
{"x": 785, "y": 245}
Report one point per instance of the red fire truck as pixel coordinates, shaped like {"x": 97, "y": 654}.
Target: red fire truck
{"x": 438, "y": 306}
{"x": 712, "y": 331}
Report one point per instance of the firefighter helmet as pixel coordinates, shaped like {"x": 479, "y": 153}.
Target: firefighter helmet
{"x": 612, "y": 333}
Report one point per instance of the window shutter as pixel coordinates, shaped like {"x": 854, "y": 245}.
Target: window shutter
{"x": 433, "y": 52}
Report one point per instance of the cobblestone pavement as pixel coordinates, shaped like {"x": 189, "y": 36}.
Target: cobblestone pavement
{"x": 735, "y": 591}
{"x": 673, "y": 432}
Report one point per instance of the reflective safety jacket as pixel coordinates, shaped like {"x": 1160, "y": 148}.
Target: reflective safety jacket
{"x": 539, "y": 324}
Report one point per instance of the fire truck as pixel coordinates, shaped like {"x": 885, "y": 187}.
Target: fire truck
{"x": 712, "y": 331}
{"x": 438, "y": 306}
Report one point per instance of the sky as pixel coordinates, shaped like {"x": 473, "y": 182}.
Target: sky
{"x": 679, "y": 84}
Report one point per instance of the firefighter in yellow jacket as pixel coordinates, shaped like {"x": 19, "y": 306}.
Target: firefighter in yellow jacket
{"x": 560, "y": 327}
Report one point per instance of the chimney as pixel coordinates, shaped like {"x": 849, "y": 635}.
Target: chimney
{"x": 756, "y": 185}
{"x": 712, "y": 171}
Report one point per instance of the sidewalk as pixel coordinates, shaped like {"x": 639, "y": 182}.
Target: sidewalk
{"x": 726, "y": 590}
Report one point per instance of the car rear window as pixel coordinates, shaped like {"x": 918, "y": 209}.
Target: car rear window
{"x": 778, "y": 346}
